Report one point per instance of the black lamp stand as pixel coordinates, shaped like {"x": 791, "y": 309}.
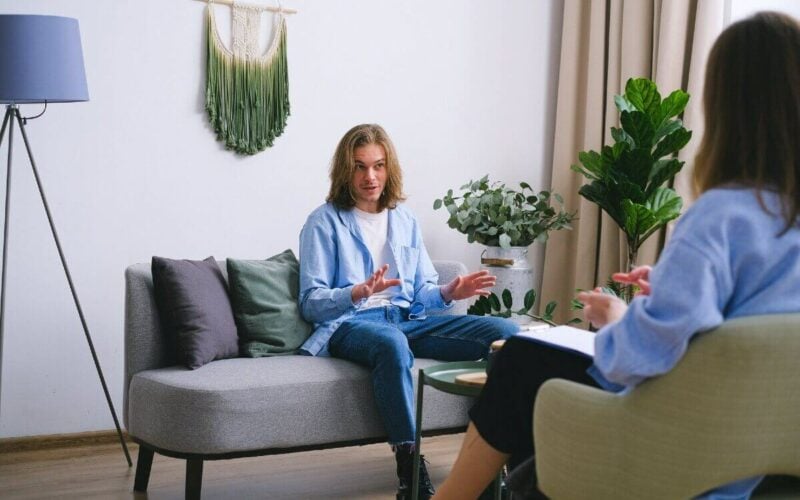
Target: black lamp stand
{"x": 12, "y": 114}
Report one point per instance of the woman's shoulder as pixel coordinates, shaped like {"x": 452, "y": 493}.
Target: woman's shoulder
{"x": 728, "y": 211}
{"x": 727, "y": 202}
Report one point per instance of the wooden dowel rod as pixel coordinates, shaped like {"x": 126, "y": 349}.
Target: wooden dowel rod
{"x": 266, "y": 7}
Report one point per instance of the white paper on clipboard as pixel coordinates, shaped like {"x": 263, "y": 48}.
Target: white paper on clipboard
{"x": 565, "y": 337}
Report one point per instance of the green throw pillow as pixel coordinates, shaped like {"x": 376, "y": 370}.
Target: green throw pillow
{"x": 264, "y": 299}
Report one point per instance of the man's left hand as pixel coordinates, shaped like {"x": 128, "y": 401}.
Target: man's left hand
{"x": 468, "y": 285}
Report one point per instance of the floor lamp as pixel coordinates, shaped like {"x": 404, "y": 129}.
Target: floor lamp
{"x": 41, "y": 62}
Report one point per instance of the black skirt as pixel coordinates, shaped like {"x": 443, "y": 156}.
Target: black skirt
{"x": 503, "y": 414}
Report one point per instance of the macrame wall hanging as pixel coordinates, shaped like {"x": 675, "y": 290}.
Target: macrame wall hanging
{"x": 247, "y": 93}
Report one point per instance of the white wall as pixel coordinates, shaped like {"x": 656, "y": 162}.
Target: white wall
{"x": 740, "y": 9}
{"x": 464, "y": 88}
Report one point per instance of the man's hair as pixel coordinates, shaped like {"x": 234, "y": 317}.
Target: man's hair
{"x": 751, "y": 101}
{"x": 343, "y": 166}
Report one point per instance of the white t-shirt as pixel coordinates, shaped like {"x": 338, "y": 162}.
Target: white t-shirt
{"x": 375, "y": 230}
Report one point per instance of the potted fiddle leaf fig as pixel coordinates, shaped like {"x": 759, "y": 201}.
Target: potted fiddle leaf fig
{"x": 629, "y": 178}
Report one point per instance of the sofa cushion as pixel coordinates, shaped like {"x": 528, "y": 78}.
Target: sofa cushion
{"x": 264, "y": 300}
{"x": 192, "y": 300}
{"x": 278, "y": 402}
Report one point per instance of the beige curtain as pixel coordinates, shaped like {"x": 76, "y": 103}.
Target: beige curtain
{"x": 603, "y": 43}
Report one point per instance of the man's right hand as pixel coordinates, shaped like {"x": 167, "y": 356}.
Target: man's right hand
{"x": 374, "y": 284}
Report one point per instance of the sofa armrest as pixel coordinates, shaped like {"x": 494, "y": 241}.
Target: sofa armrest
{"x": 448, "y": 270}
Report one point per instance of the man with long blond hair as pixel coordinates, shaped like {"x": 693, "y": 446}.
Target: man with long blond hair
{"x": 368, "y": 284}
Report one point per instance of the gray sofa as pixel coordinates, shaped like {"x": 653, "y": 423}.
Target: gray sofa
{"x": 250, "y": 406}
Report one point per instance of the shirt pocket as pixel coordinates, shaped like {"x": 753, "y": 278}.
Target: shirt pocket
{"x": 407, "y": 260}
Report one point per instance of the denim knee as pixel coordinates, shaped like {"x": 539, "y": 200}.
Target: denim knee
{"x": 505, "y": 328}
{"x": 393, "y": 349}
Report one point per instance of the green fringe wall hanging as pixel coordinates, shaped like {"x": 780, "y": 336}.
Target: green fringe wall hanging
{"x": 247, "y": 94}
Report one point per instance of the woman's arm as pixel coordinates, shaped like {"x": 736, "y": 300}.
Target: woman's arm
{"x": 689, "y": 292}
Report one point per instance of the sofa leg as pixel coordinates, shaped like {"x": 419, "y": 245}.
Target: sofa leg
{"x": 194, "y": 478}
{"x": 143, "y": 465}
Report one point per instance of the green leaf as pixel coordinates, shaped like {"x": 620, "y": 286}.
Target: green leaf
{"x": 574, "y": 321}
{"x": 621, "y": 136}
{"x": 494, "y": 302}
{"x": 638, "y": 126}
{"x": 549, "y": 308}
{"x": 507, "y": 300}
{"x": 635, "y": 165}
{"x": 674, "y": 104}
{"x": 623, "y": 104}
{"x": 643, "y": 94}
{"x": 672, "y": 143}
{"x": 524, "y": 185}
{"x": 665, "y": 204}
{"x": 663, "y": 170}
{"x": 505, "y": 240}
{"x": 437, "y": 204}
{"x": 530, "y": 299}
{"x": 592, "y": 162}
{"x": 666, "y": 128}
{"x": 638, "y": 219}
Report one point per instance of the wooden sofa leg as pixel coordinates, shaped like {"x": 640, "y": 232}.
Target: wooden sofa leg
{"x": 143, "y": 464}
{"x": 194, "y": 478}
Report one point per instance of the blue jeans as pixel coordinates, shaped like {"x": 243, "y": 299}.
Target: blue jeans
{"x": 384, "y": 340}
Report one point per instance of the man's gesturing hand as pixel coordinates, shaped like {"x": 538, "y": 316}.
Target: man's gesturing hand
{"x": 374, "y": 284}
{"x": 468, "y": 285}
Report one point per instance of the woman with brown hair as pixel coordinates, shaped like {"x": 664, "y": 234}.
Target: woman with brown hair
{"x": 368, "y": 284}
{"x": 735, "y": 252}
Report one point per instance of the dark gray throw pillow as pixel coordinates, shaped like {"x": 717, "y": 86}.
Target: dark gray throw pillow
{"x": 264, "y": 300}
{"x": 192, "y": 300}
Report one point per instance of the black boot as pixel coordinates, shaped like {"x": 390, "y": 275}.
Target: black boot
{"x": 404, "y": 454}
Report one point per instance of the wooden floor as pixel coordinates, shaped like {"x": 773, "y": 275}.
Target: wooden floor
{"x": 100, "y": 472}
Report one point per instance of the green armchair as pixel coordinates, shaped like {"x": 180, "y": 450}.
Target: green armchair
{"x": 729, "y": 410}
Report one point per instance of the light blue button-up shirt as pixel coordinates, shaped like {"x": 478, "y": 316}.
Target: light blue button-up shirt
{"x": 334, "y": 258}
{"x": 726, "y": 259}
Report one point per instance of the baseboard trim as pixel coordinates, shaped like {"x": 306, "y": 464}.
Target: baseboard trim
{"x": 55, "y": 441}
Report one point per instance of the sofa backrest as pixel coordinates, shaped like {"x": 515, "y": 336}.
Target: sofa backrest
{"x": 148, "y": 347}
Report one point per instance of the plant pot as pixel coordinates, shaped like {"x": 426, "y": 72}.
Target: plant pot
{"x": 513, "y": 272}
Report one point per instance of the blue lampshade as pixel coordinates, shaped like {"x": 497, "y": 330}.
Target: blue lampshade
{"x": 41, "y": 60}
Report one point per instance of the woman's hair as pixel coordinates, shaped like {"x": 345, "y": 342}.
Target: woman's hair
{"x": 752, "y": 111}
{"x": 343, "y": 166}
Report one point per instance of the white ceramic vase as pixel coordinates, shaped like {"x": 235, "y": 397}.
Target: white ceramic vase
{"x": 513, "y": 272}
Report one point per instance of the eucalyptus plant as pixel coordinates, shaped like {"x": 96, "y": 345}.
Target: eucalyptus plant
{"x": 627, "y": 179}
{"x": 497, "y": 216}
{"x": 492, "y": 306}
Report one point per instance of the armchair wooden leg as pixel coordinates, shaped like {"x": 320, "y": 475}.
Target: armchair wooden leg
{"x": 194, "y": 478}
{"x": 143, "y": 465}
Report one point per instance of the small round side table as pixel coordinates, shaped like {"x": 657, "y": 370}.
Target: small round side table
{"x": 443, "y": 377}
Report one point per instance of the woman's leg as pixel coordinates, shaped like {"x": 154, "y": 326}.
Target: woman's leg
{"x": 503, "y": 415}
{"x": 476, "y": 466}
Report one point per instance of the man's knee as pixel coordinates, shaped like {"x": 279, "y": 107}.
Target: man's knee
{"x": 503, "y": 328}
{"x": 392, "y": 346}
